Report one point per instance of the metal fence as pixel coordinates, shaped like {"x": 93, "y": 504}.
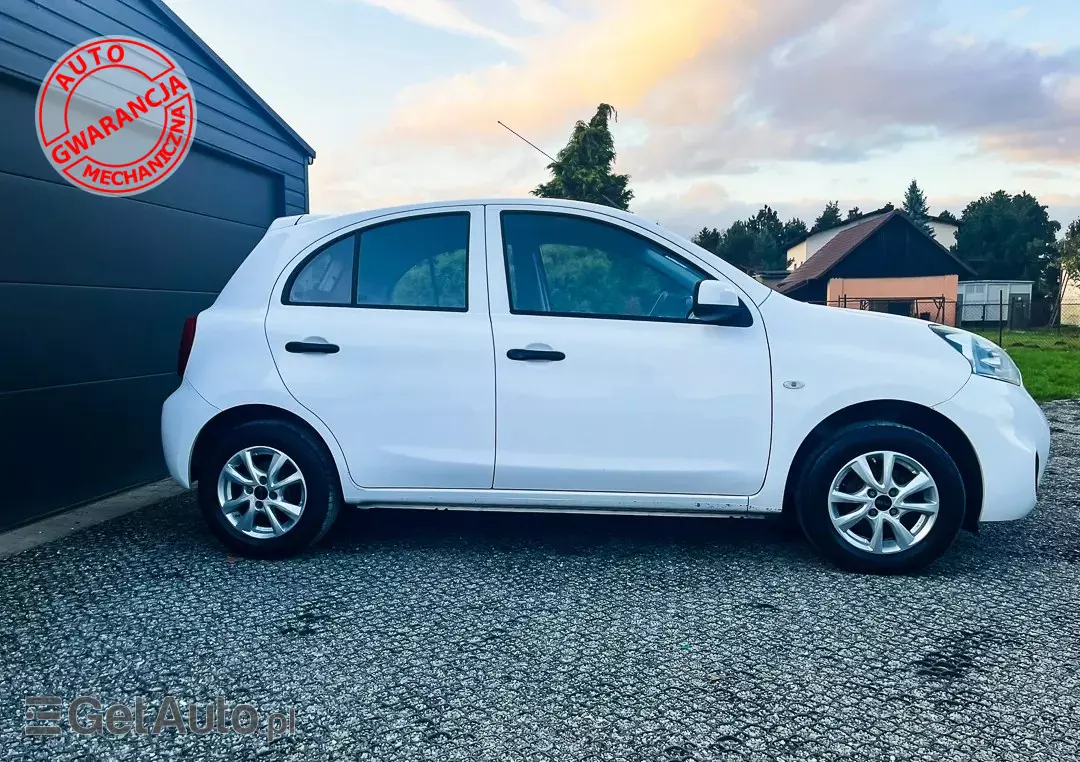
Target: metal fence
{"x": 1016, "y": 322}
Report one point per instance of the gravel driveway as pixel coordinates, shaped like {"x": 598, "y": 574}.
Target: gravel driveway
{"x": 419, "y": 635}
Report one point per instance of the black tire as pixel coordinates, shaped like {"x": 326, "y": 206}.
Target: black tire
{"x": 812, "y": 496}
{"x": 320, "y": 477}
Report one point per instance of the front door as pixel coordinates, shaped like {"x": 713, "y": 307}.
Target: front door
{"x": 604, "y": 384}
{"x": 383, "y": 333}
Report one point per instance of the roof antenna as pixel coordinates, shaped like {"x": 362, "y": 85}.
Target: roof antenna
{"x": 538, "y": 148}
{"x": 545, "y": 153}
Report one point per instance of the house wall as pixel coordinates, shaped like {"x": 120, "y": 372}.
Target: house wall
{"x": 1070, "y": 303}
{"x": 797, "y": 255}
{"x": 806, "y": 249}
{"x": 926, "y": 288}
{"x": 944, "y": 233}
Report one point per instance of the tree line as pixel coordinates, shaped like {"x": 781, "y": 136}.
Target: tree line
{"x": 1002, "y": 236}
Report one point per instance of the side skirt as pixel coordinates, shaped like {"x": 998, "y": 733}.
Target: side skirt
{"x": 568, "y": 510}
{"x": 647, "y": 504}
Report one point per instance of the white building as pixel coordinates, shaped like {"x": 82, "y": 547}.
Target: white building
{"x": 1070, "y": 303}
{"x": 987, "y": 301}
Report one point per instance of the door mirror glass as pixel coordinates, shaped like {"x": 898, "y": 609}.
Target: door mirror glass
{"x": 718, "y": 302}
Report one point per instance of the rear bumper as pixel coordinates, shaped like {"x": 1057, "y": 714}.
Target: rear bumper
{"x": 1011, "y": 439}
{"x": 183, "y": 416}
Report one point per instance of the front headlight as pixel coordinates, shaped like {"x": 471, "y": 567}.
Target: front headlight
{"x": 986, "y": 357}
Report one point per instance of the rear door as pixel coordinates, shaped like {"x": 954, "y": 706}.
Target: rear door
{"x": 383, "y": 333}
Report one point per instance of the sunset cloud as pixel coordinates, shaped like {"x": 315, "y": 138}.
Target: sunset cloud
{"x": 826, "y": 95}
{"x": 442, "y": 14}
{"x": 708, "y": 90}
{"x": 540, "y": 12}
{"x": 628, "y": 51}
{"x": 616, "y": 58}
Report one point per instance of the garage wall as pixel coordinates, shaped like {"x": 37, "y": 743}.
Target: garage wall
{"x": 37, "y": 32}
{"x": 93, "y": 294}
{"x": 94, "y": 290}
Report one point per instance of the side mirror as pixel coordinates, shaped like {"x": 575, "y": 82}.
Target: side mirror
{"x": 718, "y": 303}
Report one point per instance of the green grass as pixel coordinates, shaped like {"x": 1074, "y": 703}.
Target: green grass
{"x": 1049, "y": 361}
{"x": 1049, "y": 373}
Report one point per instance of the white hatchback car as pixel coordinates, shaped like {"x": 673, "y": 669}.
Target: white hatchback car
{"x": 553, "y": 355}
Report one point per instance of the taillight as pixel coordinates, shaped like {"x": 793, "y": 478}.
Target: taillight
{"x": 187, "y": 339}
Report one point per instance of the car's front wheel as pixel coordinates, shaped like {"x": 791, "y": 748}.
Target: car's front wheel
{"x": 881, "y": 498}
{"x": 267, "y": 489}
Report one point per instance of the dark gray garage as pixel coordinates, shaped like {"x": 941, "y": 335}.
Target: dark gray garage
{"x": 94, "y": 290}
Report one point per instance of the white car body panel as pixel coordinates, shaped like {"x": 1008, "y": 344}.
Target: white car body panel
{"x": 636, "y": 406}
{"x": 1007, "y": 429}
{"x": 838, "y": 358}
{"x": 236, "y": 333}
{"x": 721, "y": 448}
{"x": 411, "y": 395}
{"x": 183, "y": 416}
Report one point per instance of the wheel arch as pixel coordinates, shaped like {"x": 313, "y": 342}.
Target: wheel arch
{"x": 235, "y": 416}
{"x": 924, "y": 419}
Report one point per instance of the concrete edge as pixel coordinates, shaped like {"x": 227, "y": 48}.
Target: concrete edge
{"x": 70, "y": 522}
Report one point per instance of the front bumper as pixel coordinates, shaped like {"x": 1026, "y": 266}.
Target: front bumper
{"x": 183, "y": 416}
{"x": 1011, "y": 439}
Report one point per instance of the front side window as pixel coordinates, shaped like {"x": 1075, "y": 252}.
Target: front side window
{"x": 569, "y": 265}
{"x": 414, "y": 263}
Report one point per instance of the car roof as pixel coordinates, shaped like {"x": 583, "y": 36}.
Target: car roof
{"x": 356, "y": 216}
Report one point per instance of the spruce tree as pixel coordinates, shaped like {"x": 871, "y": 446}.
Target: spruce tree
{"x": 582, "y": 169}
{"x": 916, "y": 208}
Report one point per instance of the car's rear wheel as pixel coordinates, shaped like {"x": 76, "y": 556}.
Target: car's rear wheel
{"x": 267, "y": 489}
{"x": 881, "y": 498}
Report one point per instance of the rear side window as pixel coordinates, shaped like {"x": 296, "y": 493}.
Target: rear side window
{"x": 414, "y": 263}
{"x": 420, "y": 262}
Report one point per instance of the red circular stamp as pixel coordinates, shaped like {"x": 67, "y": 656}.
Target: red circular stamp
{"x": 115, "y": 116}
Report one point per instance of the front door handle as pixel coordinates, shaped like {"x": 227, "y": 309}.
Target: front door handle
{"x": 312, "y": 347}
{"x": 535, "y": 354}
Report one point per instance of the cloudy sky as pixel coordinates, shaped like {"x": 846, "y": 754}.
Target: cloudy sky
{"x": 723, "y": 105}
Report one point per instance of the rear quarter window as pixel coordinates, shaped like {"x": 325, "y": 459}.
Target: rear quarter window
{"x": 327, "y": 277}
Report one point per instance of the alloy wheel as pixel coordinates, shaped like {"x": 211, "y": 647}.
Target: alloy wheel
{"x": 262, "y": 492}
{"x": 883, "y": 502}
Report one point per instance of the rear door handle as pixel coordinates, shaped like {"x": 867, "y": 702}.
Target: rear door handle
{"x": 535, "y": 354}
{"x": 312, "y": 347}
